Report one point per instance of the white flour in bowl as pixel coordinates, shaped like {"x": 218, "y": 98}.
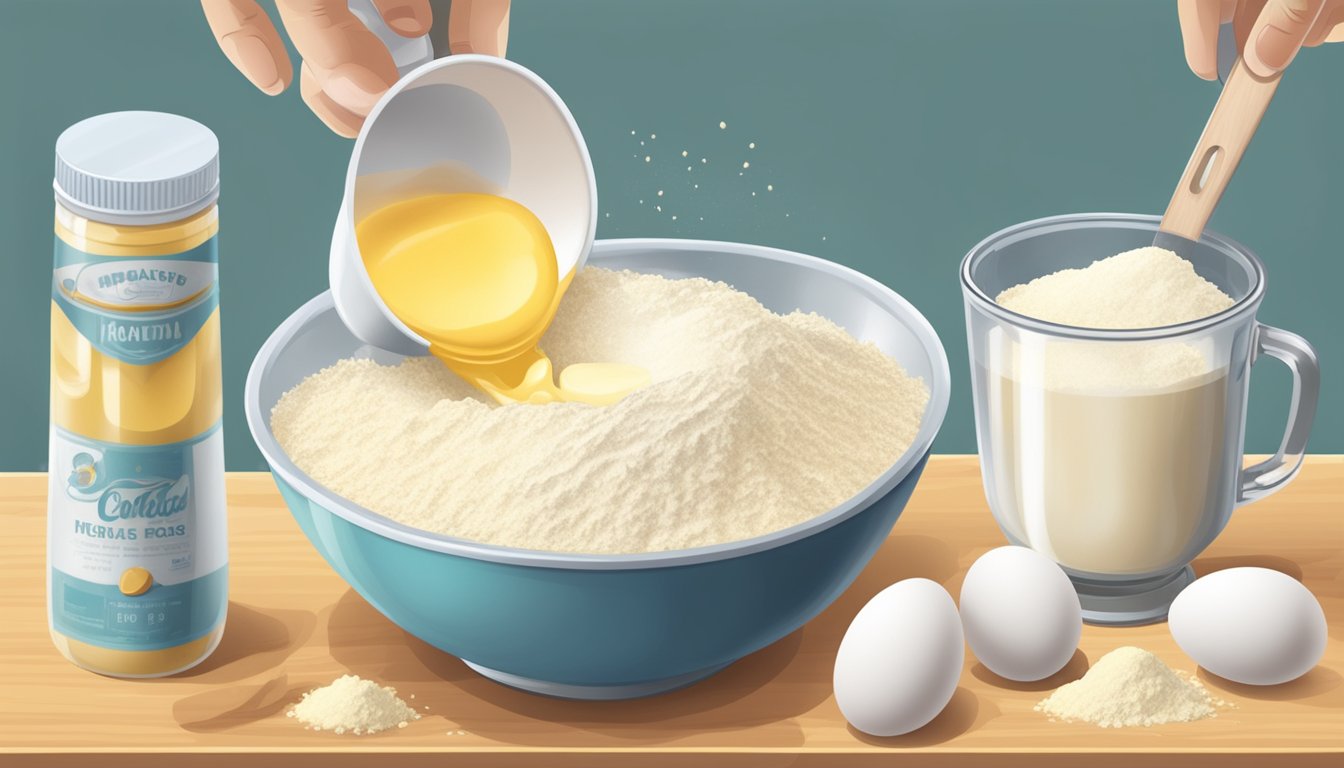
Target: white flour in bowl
{"x": 754, "y": 422}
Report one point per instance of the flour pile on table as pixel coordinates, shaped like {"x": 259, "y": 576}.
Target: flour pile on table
{"x": 351, "y": 704}
{"x": 1130, "y": 687}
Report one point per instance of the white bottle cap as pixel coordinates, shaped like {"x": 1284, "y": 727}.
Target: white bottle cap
{"x": 137, "y": 167}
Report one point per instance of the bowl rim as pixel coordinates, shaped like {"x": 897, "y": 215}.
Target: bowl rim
{"x": 935, "y": 411}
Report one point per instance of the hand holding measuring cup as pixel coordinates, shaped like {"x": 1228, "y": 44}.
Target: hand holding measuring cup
{"x": 352, "y": 51}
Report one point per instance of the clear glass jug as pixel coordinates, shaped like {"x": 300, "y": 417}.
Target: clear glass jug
{"x": 1118, "y": 453}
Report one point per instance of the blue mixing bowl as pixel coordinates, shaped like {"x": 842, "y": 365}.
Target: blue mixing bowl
{"x": 612, "y": 626}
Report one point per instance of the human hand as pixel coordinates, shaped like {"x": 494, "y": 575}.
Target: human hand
{"x": 345, "y": 68}
{"x": 1269, "y": 32}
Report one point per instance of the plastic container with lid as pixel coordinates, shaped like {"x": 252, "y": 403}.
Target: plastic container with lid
{"x": 136, "y": 544}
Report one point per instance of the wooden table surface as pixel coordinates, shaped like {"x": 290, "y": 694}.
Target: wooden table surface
{"x": 294, "y": 625}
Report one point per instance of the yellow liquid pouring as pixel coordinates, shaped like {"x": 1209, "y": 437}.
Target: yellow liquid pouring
{"x": 475, "y": 275}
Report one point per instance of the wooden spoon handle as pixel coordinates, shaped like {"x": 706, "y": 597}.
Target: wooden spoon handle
{"x": 1235, "y": 117}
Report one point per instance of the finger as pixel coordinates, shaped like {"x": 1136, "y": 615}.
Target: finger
{"x": 250, "y": 42}
{"x": 348, "y": 62}
{"x": 1199, "y": 32}
{"x": 1243, "y": 20}
{"x": 1279, "y": 33}
{"x": 1329, "y": 27}
{"x": 478, "y": 26}
{"x": 337, "y": 118}
{"x": 408, "y": 18}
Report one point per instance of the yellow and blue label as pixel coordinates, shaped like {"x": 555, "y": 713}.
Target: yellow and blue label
{"x": 134, "y": 555}
{"x": 140, "y": 309}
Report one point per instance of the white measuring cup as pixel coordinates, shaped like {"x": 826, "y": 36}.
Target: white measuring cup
{"x": 469, "y": 124}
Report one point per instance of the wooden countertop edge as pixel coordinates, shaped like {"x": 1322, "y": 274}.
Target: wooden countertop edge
{"x": 646, "y": 757}
{"x": 519, "y": 749}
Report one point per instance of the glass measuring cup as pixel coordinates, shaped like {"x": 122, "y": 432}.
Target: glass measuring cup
{"x": 1118, "y": 453}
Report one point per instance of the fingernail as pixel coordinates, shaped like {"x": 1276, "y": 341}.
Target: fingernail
{"x": 250, "y": 55}
{"x": 403, "y": 21}
{"x": 1272, "y": 51}
{"x": 355, "y": 88}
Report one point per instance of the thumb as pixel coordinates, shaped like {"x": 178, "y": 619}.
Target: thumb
{"x": 1278, "y": 34}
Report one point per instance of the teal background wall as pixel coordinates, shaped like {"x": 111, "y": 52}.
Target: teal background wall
{"x": 895, "y": 135}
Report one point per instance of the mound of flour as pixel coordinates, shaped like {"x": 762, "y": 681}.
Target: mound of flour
{"x": 1143, "y": 288}
{"x": 754, "y": 422}
{"x": 352, "y": 704}
{"x": 1130, "y": 687}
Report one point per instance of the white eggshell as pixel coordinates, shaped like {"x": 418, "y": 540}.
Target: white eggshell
{"x": 900, "y": 660}
{"x": 1021, "y": 614}
{"x": 1250, "y": 625}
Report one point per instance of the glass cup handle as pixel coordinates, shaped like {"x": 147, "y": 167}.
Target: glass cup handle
{"x": 1260, "y": 480}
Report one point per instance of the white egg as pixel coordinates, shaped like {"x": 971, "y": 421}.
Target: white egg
{"x": 1250, "y": 625}
{"x": 900, "y": 660}
{"x": 1021, "y": 614}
